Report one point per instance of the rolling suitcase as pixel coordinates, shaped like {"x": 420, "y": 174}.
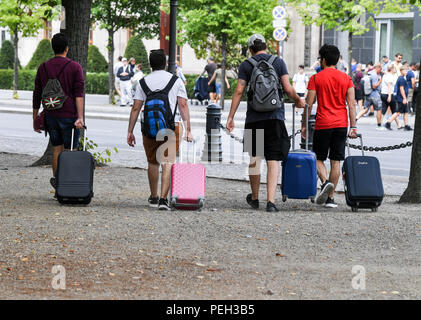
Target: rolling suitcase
{"x": 75, "y": 176}
{"x": 188, "y": 184}
{"x": 299, "y": 173}
{"x": 362, "y": 181}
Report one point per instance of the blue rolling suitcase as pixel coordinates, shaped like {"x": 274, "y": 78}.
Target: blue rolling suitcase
{"x": 299, "y": 172}
{"x": 362, "y": 181}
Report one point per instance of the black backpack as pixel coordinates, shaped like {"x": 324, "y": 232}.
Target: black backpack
{"x": 157, "y": 114}
{"x": 53, "y": 96}
{"x": 265, "y": 91}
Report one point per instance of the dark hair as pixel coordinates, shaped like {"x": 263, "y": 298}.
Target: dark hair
{"x": 385, "y": 57}
{"x": 301, "y": 66}
{"x": 330, "y": 53}
{"x": 399, "y": 54}
{"x": 219, "y": 65}
{"x": 120, "y": 58}
{"x": 413, "y": 63}
{"x": 139, "y": 65}
{"x": 258, "y": 45}
{"x": 157, "y": 59}
{"x": 404, "y": 62}
{"x": 59, "y": 43}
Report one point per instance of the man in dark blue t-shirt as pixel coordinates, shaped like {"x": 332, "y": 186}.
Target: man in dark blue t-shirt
{"x": 276, "y": 140}
{"x": 410, "y": 78}
{"x": 401, "y": 90}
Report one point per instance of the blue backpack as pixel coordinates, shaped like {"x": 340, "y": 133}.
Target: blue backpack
{"x": 157, "y": 114}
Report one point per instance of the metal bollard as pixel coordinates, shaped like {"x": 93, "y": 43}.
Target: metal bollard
{"x": 311, "y": 125}
{"x": 212, "y": 150}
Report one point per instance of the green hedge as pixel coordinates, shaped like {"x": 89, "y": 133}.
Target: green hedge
{"x": 7, "y": 55}
{"x": 136, "y": 49}
{"x": 96, "y": 61}
{"x": 96, "y": 83}
{"x": 43, "y": 52}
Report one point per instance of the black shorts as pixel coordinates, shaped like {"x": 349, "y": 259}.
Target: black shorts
{"x": 330, "y": 141}
{"x": 403, "y": 108}
{"x": 60, "y": 131}
{"x": 301, "y": 95}
{"x": 359, "y": 95}
{"x": 385, "y": 104}
{"x": 276, "y": 141}
{"x": 212, "y": 87}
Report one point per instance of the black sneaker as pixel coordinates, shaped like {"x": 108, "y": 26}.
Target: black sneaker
{"x": 400, "y": 128}
{"x": 325, "y": 190}
{"x": 53, "y": 182}
{"x": 253, "y": 203}
{"x": 388, "y": 126}
{"x": 153, "y": 202}
{"x": 270, "y": 207}
{"x": 330, "y": 203}
{"x": 163, "y": 204}
{"x": 370, "y": 114}
{"x": 407, "y": 128}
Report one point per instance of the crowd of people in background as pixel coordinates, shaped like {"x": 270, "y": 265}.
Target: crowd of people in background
{"x": 387, "y": 88}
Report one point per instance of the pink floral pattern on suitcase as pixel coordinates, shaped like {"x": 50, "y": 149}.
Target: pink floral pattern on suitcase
{"x": 188, "y": 182}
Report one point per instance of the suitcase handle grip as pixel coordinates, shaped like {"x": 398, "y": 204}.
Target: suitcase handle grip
{"x": 359, "y": 135}
{"x": 293, "y": 124}
{"x": 84, "y": 138}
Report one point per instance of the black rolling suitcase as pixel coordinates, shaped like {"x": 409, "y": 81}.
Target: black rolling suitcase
{"x": 362, "y": 181}
{"x": 75, "y": 176}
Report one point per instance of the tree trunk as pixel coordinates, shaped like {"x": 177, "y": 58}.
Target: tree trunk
{"x": 111, "y": 66}
{"x": 47, "y": 157}
{"x": 224, "y": 65}
{"x": 412, "y": 193}
{"x": 16, "y": 63}
{"x": 78, "y": 14}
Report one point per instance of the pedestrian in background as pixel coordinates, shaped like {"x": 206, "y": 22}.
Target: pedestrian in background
{"x": 374, "y": 97}
{"x": 401, "y": 91}
{"x": 353, "y": 65}
{"x": 410, "y": 78}
{"x": 342, "y": 66}
{"x": 388, "y": 99}
{"x": 210, "y": 69}
{"x": 385, "y": 63}
{"x": 125, "y": 73}
{"x": 217, "y": 77}
{"x": 299, "y": 82}
{"x": 137, "y": 76}
{"x": 316, "y": 66}
{"x": 398, "y": 64}
{"x": 61, "y": 122}
{"x": 180, "y": 74}
{"x": 117, "y": 66}
{"x": 356, "y": 76}
{"x": 417, "y": 82}
{"x": 132, "y": 64}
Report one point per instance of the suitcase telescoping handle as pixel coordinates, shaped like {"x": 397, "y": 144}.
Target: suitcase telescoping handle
{"x": 359, "y": 135}
{"x": 180, "y": 158}
{"x": 293, "y": 125}
{"x": 84, "y": 138}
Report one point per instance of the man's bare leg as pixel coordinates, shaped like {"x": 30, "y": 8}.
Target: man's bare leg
{"x": 165, "y": 180}
{"x": 272, "y": 179}
{"x": 335, "y": 173}
{"x": 56, "y": 152}
{"x": 153, "y": 177}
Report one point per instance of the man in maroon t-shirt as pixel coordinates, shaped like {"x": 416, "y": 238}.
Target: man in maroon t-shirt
{"x": 334, "y": 90}
{"x": 59, "y": 123}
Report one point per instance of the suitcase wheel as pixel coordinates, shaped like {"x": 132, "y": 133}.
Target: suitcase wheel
{"x": 284, "y": 198}
{"x": 312, "y": 200}
{"x": 374, "y": 209}
{"x": 201, "y": 203}
{"x": 354, "y": 209}
{"x": 173, "y": 202}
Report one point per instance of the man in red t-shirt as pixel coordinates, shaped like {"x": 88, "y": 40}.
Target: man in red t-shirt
{"x": 334, "y": 90}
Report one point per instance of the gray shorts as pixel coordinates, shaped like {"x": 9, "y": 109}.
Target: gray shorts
{"x": 117, "y": 83}
{"x": 376, "y": 101}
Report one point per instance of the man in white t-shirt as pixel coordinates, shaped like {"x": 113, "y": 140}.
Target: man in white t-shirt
{"x": 117, "y": 66}
{"x": 158, "y": 80}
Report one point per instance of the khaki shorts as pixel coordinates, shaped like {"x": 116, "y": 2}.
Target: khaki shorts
{"x": 117, "y": 83}
{"x": 151, "y": 146}
{"x": 410, "y": 94}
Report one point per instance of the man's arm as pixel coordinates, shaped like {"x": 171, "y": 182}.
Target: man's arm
{"x": 236, "y": 99}
{"x": 185, "y": 116}
{"x": 134, "y": 114}
{"x": 350, "y": 100}
{"x": 79, "y": 107}
{"x": 290, "y": 91}
{"x": 213, "y": 77}
{"x": 375, "y": 86}
{"x": 413, "y": 83}
{"x": 36, "y": 98}
{"x": 402, "y": 90}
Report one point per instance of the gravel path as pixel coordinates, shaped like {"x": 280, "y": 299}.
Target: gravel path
{"x": 118, "y": 248}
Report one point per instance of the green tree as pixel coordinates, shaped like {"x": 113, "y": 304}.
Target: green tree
{"x": 140, "y": 16}
{"x": 136, "y": 49}
{"x": 222, "y": 27}
{"x": 96, "y": 61}
{"x": 43, "y": 52}
{"x": 24, "y": 16}
{"x": 7, "y": 54}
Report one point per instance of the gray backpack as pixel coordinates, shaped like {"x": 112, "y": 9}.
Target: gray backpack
{"x": 367, "y": 88}
{"x": 53, "y": 97}
{"x": 264, "y": 86}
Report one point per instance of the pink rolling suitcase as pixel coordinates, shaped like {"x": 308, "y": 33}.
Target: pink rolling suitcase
{"x": 188, "y": 184}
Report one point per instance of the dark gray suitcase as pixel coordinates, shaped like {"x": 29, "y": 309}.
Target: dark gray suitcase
{"x": 362, "y": 181}
{"x": 75, "y": 176}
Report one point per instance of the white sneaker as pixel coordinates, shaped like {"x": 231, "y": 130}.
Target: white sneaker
{"x": 330, "y": 203}
{"x": 381, "y": 128}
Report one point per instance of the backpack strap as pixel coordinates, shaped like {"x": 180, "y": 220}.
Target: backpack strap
{"x": 62, "y": 69}
{"x": 252, "y": 61}
{"x": 170, "y": 84}
{"x": 272, "y": 60}
{"x": 145, "y": 87}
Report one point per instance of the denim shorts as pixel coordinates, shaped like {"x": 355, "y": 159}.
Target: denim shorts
{"x": 218, "y": 88}
{"x": 60, "y": 131}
